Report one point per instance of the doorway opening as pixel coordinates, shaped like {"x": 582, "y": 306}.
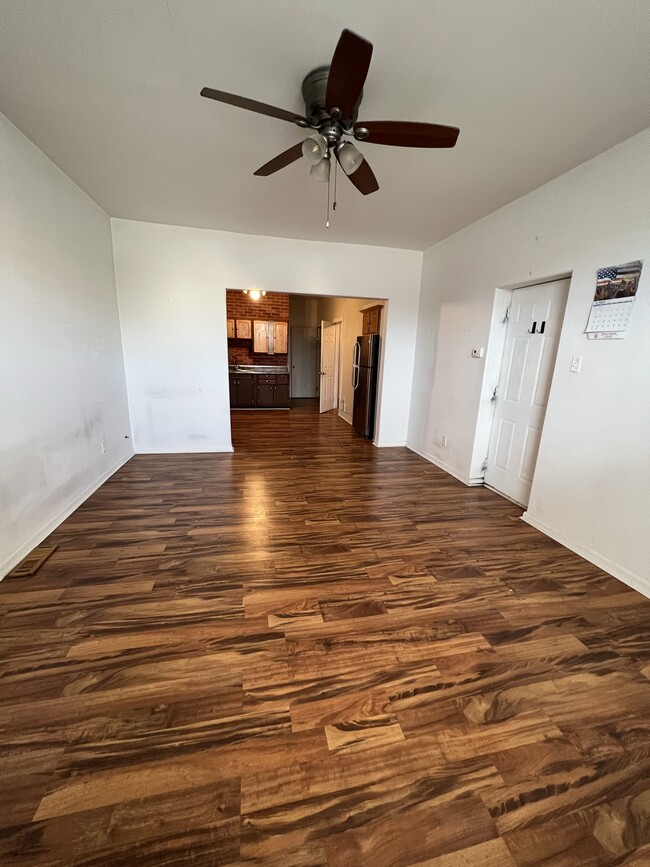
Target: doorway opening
{"x": 529, "y": 343}
{"x": 289, "y": 351}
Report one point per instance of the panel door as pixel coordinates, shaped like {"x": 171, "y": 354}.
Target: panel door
{"x": 281, "y": 337}
{"x": 327, "y": 367}
{"x": 260, "y": 336}
{"x": 230, "y": 329}
{"x": 529, "y": 355}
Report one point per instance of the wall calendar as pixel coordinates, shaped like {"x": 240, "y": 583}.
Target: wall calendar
{"x": 612, "y": 305}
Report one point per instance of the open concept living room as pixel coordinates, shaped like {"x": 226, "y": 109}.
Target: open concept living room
{"x": 324, "y": 433}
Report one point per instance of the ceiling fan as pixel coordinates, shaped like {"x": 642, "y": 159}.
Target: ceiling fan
{"x": 332, "y": 96}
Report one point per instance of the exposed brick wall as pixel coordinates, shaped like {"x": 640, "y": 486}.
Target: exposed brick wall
{"x": 273, "y": 305}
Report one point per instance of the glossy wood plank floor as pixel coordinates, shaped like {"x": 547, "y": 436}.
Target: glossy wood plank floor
{"x": 316, "y": 652}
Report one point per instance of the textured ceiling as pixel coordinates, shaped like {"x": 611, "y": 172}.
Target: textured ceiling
{"x": 109, "y": 90}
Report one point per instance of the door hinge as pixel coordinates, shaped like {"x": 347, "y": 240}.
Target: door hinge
{"x": 495, "y": 393}
{"x": 485, "y": 465}
{"x": 506, "y": 318}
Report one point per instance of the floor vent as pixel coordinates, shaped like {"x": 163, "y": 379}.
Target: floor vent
{"x": 32, "y": 562}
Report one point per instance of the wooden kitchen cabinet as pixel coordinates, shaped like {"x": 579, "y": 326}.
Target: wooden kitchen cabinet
{"x": 260, "y": 335}
{"x": 265, "y": 390}
{"x": 271, "y": 338}
{"x": 230, "y": 330}
{"x": 243, "y": 329}
{"x": 259, "y": 390}
{"x": 273, "y": 389}
{"x": 281, "y": 393}
{"x": 371, "y": 320}
{"x": 281, "y": 337}
{"x": 243, "y": 391}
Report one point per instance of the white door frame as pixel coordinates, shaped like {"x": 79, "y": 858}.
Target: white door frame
{"x": 339, "y": 368}
{"x": 493, "y": 364}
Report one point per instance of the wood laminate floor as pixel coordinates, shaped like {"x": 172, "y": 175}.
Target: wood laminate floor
{"x": 316, "y": 652}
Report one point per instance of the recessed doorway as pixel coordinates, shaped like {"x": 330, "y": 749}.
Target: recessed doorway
{"x": 286, "y": 348}
{"x": 530, "y": 348}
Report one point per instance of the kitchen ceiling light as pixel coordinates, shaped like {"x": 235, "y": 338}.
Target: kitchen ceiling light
{"x": 314, "y": 148}
{"x": 349, "y": 157}
{"x": 255, "y": 294}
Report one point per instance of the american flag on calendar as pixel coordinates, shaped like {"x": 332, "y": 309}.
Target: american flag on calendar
{"x": 616, "y": 287}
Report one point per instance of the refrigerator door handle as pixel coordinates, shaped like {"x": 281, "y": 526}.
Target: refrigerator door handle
{"x": 356, "y": 355}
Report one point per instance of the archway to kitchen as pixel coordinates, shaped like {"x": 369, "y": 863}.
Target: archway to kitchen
{"x": 290, "y": 352}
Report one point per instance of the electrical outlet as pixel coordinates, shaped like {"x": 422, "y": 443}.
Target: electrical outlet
{"x": 576, "y": 364}
{"x": 443, "y": 442}
{"x": 103, "y": 446}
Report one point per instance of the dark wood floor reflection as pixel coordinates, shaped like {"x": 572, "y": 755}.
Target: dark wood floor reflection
{"x": 316, "y": 652}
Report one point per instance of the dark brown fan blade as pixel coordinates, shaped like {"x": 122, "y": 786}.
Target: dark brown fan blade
{"x": 363, "y": 178}
{"x": 253, "y": 105}
{"x": 406, "y": 134}
{"x": 347, "y": 73}
{"x": 281, "y": 161}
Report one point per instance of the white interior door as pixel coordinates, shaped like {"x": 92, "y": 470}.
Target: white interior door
{"x": 328, "y": 372}
{"x": 532, "y": 336}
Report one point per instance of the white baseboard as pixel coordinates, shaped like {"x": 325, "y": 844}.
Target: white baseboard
{"x": 345, "y": 416}
{"x": 15, "y": 558}
{"x": 399, "y": 445}
{"x": 470, "y": 482}
{"x": 636, "y": 582}
{"x": 223, "y": 451}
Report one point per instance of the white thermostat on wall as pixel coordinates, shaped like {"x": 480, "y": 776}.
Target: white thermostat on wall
{"x": 478, "y": 351}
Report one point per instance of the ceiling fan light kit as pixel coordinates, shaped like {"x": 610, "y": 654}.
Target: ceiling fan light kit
{"x": 332, "y": 95}
{"x": 315, "y": 148}
{"x": 321, "y": 170}
{"x": 349, "y": 157}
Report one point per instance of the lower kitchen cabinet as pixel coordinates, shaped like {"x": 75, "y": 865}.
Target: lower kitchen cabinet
{"x": 259, "y": 390}
{"x": 281, "y": 394}
{"x": 273, "y": 389}
{"x": 265, "y": 390}
{"x": 243, "y": 391}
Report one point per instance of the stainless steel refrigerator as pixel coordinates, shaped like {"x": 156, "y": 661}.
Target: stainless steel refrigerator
{"x": 365, "y": 368}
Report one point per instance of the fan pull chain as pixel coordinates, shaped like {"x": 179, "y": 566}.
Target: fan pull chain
{"x": 327, "y": 214}
{"x": 336, "y": 168}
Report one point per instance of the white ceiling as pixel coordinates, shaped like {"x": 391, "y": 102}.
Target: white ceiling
{"x": 109, "y": 90}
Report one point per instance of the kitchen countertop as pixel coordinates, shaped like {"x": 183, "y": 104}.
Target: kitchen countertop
{"x": 256, "y": 368}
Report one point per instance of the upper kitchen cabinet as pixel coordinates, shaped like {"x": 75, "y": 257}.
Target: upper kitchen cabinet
{"x": 260, "y": 335}
{"x": 371, "y": 320}
{"x": 243, "y": 329}
{"x": 230, "y": 328}
{"x": 281, "y": 337}
{"x": 271, "y": 338}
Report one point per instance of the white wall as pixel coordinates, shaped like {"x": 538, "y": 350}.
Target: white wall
{"x": 62, "y": 386}
{"x": 171, "y": 285}
{"x": 592, "y": 481}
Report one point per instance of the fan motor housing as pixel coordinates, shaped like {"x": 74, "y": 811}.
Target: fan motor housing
{"x": 314, "y": 90}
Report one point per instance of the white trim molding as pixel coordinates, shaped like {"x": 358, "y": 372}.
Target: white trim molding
{"x": 636, "y": 582}
{"x": 17, "y": 556}
{"x": 470, "y": 482}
